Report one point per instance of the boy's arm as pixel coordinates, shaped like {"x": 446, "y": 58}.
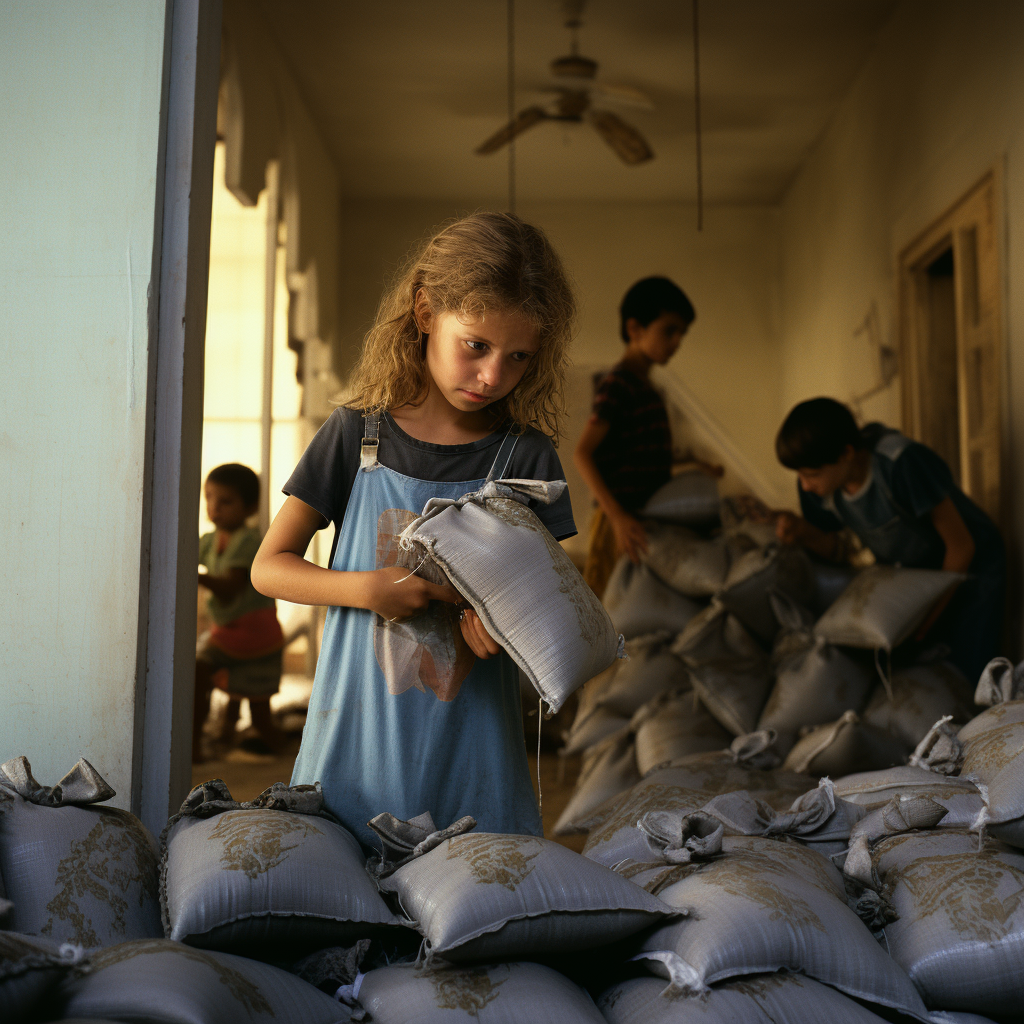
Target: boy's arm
{"x": 959, "y": 553}
{"x": 228, "y": 586}
{"x": 793, "y": 529}
{"x": 629, "y": 534}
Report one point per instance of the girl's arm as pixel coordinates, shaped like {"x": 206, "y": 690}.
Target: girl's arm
{"x": 959, "y": 552}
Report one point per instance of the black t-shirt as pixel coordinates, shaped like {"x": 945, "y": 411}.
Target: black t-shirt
{"x": 324, "y": 476}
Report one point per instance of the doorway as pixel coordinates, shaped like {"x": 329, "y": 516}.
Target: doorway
{"x": 951, "y": 351}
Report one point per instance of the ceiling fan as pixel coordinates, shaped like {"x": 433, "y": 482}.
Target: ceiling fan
{"x": 574, "y": 90}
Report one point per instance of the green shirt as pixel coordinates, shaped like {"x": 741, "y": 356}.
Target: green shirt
{"x": 239, "y": 554}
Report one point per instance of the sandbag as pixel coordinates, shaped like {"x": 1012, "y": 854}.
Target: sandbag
{"x": 609, "y": 768}
{"x": 638, "y": 602}
{"x": 757, "y": 999}
{"x": 520, "y": 581}
{"x": 681, "y": 789}
{"x": 884, "y": 604}
{"x": 764, "y": 906}
{"x": 85, "y": 875}
{"x": 741, "y": 528}
{"x": 830, "y": 580}
{"x": 595, "y": 727}
{"x": 489, "y": 994}
{"x": 728, "y": 669}
{"x": 587, "y": 696}
{"x": 274, "y": 884}
{"x": 672, "y": 726}
{"x": 845, "y": 746}
{"x": 651, "y": 668}
{"x": 905, "y": 812}
{"x": 961, "y": 917}
{"x": 688, "y": 499}
{"x": 160, "y": 980}
{"x": 921, "y": 695}
{"x": 876, "y": 789}
{"x": 485, "y": 897}
{"x": 30, "y": 966}
{"x": 690, "y": 564}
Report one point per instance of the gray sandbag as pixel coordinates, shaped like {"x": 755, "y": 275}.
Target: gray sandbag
{"x": 755, "y": 575}
{"x": 921, "y": 695}
{"x": 30, "y": 966}
{"x": 688, "y": 499}
{"x": 1000, "y": 683}
{"x": 764, "y": 906}
{"x": 830, "y": 580}
{"x": 905, "y": 812}
{"x": 608, "y": 769}
{"x": 686, "y": 562}
{"x": 756, "y": 999}
{"x": 744, "y": 530}
{"x": 650, "y": 669}
{"x": 587, "y": 696}
{"x": 884, "y": 604}
{"x": 486, "y": 897}
{"x": 875, "y": 790}
{"x": 85, "y": 875}
{"x": 681, "y": 789}
{"x": 265, "y": 882}
{"x": 638, "y": 602}
{"x": 488, "y": 994}
{"x": 161, "y": 980}
{"x": 728, "y": 669}
{"x": 960, "y": 907}
{"x": 845, "y": 746}
{"x": 595, "y": 727}
{"x": 673, "y": 726}
{"x": 520, "y": 581}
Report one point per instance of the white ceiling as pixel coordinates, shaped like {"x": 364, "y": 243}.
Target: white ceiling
{"x": 403, "y": 90}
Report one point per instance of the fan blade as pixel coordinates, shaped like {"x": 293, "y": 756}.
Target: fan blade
{"x": 524, "y": 119}
{"x": 617, "y": 92}
{"x": 627, "y": 142}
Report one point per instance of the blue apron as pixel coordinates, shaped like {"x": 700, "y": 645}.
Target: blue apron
{"x": 403, "y": 718}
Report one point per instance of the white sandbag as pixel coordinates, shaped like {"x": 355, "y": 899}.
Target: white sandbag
{"x": 921, "y": 695}
{"x": 961, "y": 918}
{"x": 160, "y": 980}
{"x": 688, "y": 499}
{"x": 756, "y": 999}
{"x": 830, "y": 580}
{"x": 489, "y": 994}
{"x": 845, "y": 746}
{"x": 650, "y": 669}
{"x": 673, "y": 726}
{"x": 530, "y": 596}
{"x": 687, "y": 563}
{"x": 764, "y": 906}
{"x": 486, "y": 897}
{"x": 639, "y": 603}
{"x": 728, "y": 669}
{"x": 274, "y": 884}
{"x": 30, "y": 967}
{"x": 682, "y": 789}
{"x": 608, "y": 769}
{"x": 595, "y": 727}
{"x": 755, "y": 575}
{"x": 85, "y": 875}
{"x": 884, "y": 604}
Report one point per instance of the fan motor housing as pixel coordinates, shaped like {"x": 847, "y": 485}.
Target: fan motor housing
{"x": 574, "y": 66}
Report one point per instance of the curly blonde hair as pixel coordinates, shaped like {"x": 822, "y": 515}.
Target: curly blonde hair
{"x": 484, "y": 262}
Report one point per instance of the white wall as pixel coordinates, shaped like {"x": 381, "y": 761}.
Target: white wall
{"x": 79, "y": 137}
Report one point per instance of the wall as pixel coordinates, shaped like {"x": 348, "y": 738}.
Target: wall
{"x": 79, "y": 146}
{"x": 939, "y": 102}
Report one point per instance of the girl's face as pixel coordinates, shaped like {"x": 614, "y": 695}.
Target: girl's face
{"x": 475, "y": 363}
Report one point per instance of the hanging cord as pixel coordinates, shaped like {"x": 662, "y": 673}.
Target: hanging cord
{"x": 885, "y": 675}
{"x": 696, "y": 111}
{"x": 511, "y": 95}
{"x": 540, "y": 798}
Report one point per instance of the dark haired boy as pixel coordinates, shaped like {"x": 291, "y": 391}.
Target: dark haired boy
{"x": 900, "y": 499}
{"x": 241, "y": 654}
{"x": 625, "y": 452}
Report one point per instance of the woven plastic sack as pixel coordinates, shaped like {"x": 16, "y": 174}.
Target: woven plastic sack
{"x": 638, "y": 602}
{"x": 608, "y": 769}
{"x": 486, "y": 897}
{"x": 673, "y": 726}
{"x": 875, "y": 789}
{"x": 961, "y": 918}
{"x": 688, "y": 499}
{"x": 830, "y": 580}
{"x": 595, "y": 727}
{"x": 29, "y": 968}
{"x": 160, "y": 980}
{"x": 921, "y": 695}
{"x": 687, "y": 563}
{"x": 757, "y": 999}
{"x": 530, "y": 596}
{"x": 843, "y": 747}
{"x": 489, "y": 994}
{"x": 883, "y": 606}
{"x": 764, "y": 906}
{"x": 682, "y": 789}
{"x": 85, "y": 875}
{"x": 651, "y": 668}
{"x": 728, "y": 669}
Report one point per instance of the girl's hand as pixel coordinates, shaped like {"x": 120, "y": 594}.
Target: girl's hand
{"x": 629, "y": 536}
{"x": 395, "y": 595}
{"x": 475, "y": 634}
